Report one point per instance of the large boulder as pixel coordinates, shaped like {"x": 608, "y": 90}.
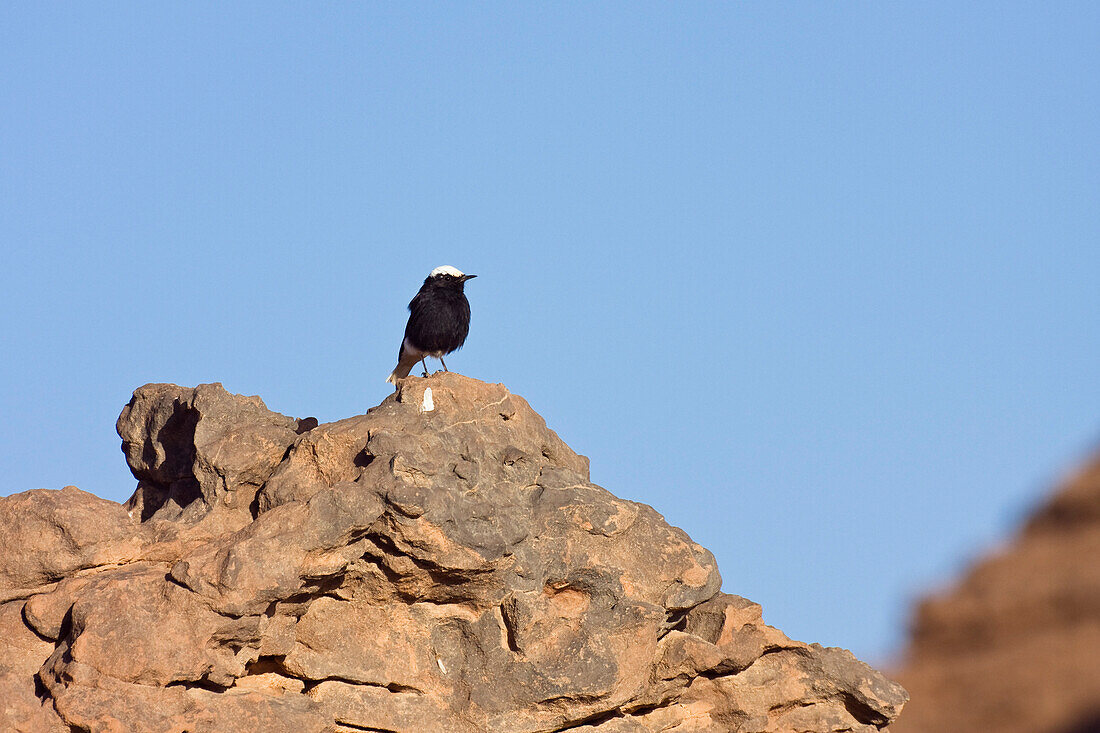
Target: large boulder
{"x": 441, "y": 563}
{"x": 195, "y": 449}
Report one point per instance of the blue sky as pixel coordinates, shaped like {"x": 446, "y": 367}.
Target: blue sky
{"x": 816, "y": 280}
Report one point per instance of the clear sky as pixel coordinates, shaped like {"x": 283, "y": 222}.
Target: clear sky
{"x": 818, "y": 281}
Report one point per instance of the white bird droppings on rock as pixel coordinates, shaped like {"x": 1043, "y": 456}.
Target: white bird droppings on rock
{"x": 427, "y": 405}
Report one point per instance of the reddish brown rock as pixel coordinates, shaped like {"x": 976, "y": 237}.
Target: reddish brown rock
{"x": 1013, "y": 647}
{"x": 46, "y": 536}
{"x": 21, "y": 709}
{"x": 441, "y": 563}
{"x": 195, "y": 449}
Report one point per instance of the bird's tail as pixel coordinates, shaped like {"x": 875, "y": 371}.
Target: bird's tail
{"x": 405, "y": 363}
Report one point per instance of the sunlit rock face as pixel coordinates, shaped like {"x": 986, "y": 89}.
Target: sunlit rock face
{"x": 441, "y": 563}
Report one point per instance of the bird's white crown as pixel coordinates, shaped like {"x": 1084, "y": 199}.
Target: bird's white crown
{"x": 446, "y": 270}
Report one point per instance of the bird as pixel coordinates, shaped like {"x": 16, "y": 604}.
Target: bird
{"x": 439, "y": 320}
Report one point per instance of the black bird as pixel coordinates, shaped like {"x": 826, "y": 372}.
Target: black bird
{"x": 439, "y": 319}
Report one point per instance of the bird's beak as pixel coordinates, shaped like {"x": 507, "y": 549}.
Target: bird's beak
{"x": 468, "y": 277}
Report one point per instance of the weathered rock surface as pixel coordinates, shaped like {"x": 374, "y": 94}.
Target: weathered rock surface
{"x": 1015, "y": 646}
{"x": 438, "y": 564}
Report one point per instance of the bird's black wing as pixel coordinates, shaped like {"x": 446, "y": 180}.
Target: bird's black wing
{"x": 419, "y": 308}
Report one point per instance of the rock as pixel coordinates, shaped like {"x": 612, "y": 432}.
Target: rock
{"x": 193, "y": 449}
{"x": 438, "y": 564}
{"x": 21, "y": 710}
{"x": 1012, "y": 647}
{"x": 48, "y": 535}
{"x": 23, "y": 649}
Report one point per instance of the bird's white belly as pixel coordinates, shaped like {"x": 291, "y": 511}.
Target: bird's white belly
{"x": 407, "y": 348}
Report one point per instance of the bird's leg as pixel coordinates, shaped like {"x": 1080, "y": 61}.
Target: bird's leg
{"x": 425, "y": 365}
{"x": 443, "y": 363}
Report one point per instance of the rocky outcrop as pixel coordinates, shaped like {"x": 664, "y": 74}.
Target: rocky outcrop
{"x": 441, "y": 563}
{"x": 1013, "y": 647}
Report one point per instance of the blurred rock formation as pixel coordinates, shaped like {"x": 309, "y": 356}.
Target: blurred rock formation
{"x": 1015, "y": 646}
